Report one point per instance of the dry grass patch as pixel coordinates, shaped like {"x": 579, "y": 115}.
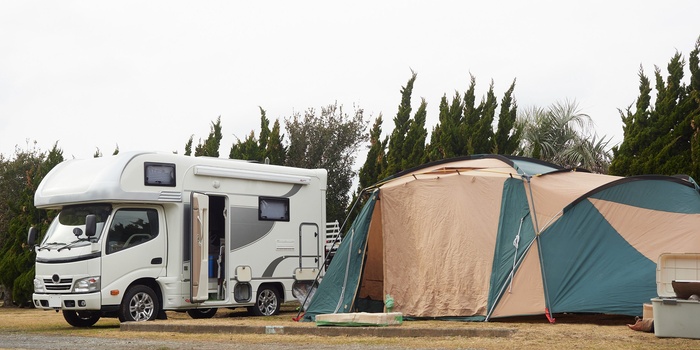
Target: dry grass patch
{"x": 570, "y": 331}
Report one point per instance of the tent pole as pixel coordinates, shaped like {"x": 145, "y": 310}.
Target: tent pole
{"x": 547, "y": 308}
{"x": 516, "y": 242}
{"x": 503, "y": 287}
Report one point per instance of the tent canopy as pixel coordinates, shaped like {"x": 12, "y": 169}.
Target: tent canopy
{"x": 491, "y": 236}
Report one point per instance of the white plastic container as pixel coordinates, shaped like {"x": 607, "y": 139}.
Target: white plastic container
{"x": 675, "y": 317}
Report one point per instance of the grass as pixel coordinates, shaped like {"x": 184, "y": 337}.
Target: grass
{"x": 570, "y": 331}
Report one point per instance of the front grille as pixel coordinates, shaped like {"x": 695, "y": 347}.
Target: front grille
{"x": 62, "y": 284}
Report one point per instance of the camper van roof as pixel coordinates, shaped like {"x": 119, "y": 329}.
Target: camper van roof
{"x": 121, "y": 177}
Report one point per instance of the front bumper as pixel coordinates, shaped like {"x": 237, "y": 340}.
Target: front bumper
{"x": 87, "y": 301}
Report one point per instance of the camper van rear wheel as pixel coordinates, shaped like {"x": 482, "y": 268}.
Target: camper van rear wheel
{"x": 81, "y": 318}
{"x": 140, "y": 303}
{"x": 202, "y": 313}
{"x": 267, "y": 303}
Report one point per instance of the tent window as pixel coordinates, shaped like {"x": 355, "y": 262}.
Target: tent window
{"x": 273, "y": 209}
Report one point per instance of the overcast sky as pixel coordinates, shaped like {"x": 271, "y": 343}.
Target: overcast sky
{"x": 146, "y": 75}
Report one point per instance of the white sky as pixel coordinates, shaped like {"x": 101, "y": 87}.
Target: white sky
{"x": 145, "y": 75}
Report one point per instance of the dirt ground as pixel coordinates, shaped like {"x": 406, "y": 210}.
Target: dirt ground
{"x": 569, "y": 331}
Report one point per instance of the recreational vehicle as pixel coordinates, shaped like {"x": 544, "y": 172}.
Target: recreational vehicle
{"x": 140, "y": 233}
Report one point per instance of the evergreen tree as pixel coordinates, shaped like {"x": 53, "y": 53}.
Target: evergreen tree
{"x": 248, "y": 149}
{"x": 19, "y": 179}
{"x": 414, "y": 144}
{"x": 482, "y": 138}
{"x": 276, "y": 151}
{"x": 188, "y": 146}
{"x": 264, "y": 137}
{"x": 210, "y": 146}
{"x": 375, "y": 163}
{"x": 507, "y": 134}
{"x": 446, "y": 139}
{"x": 435, "y": 150}
{"x": 402, "y": 122}
{"x": 471, "y": 118}
{"x": 694, "y": 97}
{"x": 370, "y": 173}
{"x": 267, "y": 146}
{"x": 634, "y": 127}
{"x": 663, "y": 138}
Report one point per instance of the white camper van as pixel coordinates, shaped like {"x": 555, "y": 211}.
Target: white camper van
{"x": 140, "y": 233}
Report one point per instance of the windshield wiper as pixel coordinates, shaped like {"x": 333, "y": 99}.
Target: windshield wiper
{"x": 46, "y": 246}
{"x": 68, "y": 246}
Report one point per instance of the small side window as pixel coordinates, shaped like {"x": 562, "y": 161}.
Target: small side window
{"x": 273, "y": 209}
{"x": 159, "y": 174}
{"x": 131, "y": 227}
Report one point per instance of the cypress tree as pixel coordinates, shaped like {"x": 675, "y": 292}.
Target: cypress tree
{"x": 507, "y": 136}
{"x": 264, "y": 137}
{"x": 402, "y": 122}
{"x": 482, "y": 139}
{"x": 375, "y": 163}
{"x": 19, "y": 180}
{"x": 210, "y": 146}
{"x": 276, "y": 151}
{"x": 663, "y": 139}
{"x": 414, "y": 145}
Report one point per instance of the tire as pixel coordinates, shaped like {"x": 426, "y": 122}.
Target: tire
{"x": 267, "y": 302}
{"x": 81, "y": 318}
{"x": 202, "y": 313}
{"x": 140, "y": 303}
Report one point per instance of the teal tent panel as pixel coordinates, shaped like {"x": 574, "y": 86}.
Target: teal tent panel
{"x": 656, "y": 193}
{"x": 589, "y": 267}
{"x": 528, "y": 167}
{"x": 514, "y": 222}
{"x": 337, "y": 290}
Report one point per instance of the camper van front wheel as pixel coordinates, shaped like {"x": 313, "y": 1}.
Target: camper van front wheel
{"x": 81, "y": 318}
{"x": 140, "y": 303}
{"x": 267, "y": 303}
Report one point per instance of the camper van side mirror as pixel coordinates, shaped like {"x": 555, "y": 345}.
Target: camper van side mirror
{"x": 90, "y": 225}
{"x": 31, "y": 236}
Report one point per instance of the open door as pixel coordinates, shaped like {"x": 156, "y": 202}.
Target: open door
{"x": 200, "y": 248}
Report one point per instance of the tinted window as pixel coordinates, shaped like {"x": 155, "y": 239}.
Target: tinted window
{"x": 131, "y": 227}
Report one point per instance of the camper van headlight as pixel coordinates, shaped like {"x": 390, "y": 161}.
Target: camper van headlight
{"x": 39, "y": 286}
{"x": 87, "y": 285}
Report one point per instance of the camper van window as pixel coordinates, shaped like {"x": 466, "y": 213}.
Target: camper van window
{"x": 273, "y": 209}
{"x": 159, "y": 174}
{"x": 61, "y": 231}
{"x": 131, "y": 227}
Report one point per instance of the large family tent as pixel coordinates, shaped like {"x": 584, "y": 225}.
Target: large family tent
{"x": 489, "y": 236}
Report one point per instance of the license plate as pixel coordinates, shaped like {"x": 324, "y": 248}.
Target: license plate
{"x": 54, "y": 301}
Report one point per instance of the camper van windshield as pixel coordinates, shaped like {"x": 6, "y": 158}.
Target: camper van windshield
{"x": 61, "y": 230}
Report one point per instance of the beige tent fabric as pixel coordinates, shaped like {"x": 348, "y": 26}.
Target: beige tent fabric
{"x": 551, "y": 193}
{"x": 525, "y": 296}
{"x": 439, "y": 238}
{"x": 484, "y": 163}
{"x": 641, "y": 227}
{"x": 372, "y": 283}
{"x": 482, "y": 167}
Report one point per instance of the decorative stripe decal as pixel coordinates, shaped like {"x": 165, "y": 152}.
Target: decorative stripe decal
{"x": 293, "y": 191}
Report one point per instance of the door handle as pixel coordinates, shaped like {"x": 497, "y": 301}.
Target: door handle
{"x": 156, "y": 261}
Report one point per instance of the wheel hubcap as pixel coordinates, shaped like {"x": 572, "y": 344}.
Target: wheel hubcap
{"x": 141, "y": 307}
{"x": 267, "y": 303}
